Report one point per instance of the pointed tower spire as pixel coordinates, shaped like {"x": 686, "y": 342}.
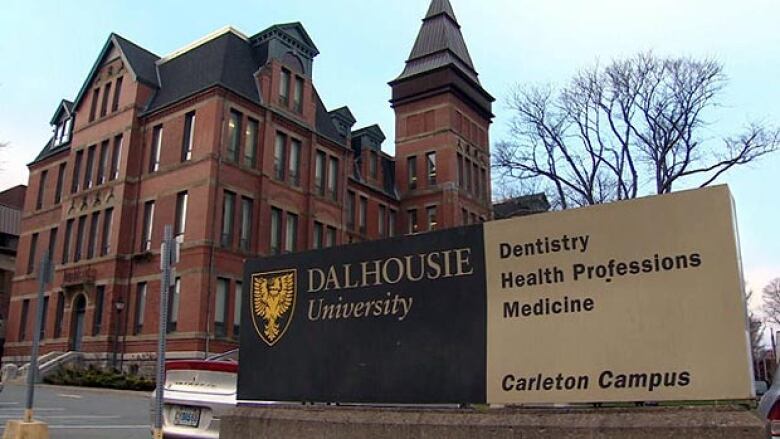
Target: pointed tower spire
{"x": 439, "y": 43}
{"x": 441, "y": 7}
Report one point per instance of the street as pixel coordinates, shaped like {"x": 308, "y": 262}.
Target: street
{"x": 81, "y": 413}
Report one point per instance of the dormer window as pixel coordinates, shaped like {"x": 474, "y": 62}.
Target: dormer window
{"x": 284, "y": 88}
{"x": 298, "y": 96}
{"x": 372, "y": 165}
{"x": 62, "y": 132}
{"x": 66, "y": 131}
{"x": 58, "y": 134}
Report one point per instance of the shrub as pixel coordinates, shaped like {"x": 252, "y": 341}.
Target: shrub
{"x": 101, "y": 378}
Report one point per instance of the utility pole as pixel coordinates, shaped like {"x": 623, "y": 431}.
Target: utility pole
{"x": 44, "y": 278}
{"x": 168, "y": 251}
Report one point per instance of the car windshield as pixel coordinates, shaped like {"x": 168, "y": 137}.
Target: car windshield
{"x": 231, "y": 356}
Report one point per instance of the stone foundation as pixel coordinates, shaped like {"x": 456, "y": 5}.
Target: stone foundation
{"x": 283, "y": 422}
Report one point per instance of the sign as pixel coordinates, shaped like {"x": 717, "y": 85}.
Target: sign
{"x": 390, "y": 321}
{"x": 639, "y": 300}
{"x": 633, "y": 301}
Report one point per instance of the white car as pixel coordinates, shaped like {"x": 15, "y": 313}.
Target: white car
{"x": 197, "y": 393}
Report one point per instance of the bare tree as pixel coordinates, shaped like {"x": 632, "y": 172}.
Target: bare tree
{"x": 756, "y": 326}
{"x": 631, "y": 128}
{"x": 771, "y": 298}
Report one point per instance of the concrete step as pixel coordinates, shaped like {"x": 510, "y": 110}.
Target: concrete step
{"x": 47, "y": 364}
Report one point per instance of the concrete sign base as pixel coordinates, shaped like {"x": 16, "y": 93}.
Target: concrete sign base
{"x": 284, "y": 422}
{"x": 26, "y": 430}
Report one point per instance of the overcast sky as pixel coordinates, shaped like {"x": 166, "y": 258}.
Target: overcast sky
{"x": 48, "y": 47}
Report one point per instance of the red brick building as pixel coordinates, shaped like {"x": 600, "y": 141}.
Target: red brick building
{"x": 228, "y": 141}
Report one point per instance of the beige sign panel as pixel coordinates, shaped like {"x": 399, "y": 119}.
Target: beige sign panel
{"x": 639, "y": 300}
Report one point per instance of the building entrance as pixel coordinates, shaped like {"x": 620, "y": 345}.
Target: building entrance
{"x": 77, "y": 325}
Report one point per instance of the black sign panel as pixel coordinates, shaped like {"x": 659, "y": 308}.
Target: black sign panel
{"x": 394, "y": 321}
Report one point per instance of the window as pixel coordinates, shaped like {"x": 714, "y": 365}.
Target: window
{"x": 477, "y": 182}
{"x": 66, "y": 243}
{"x": 74, "y": 185}
{"x": 372, "y": 164}
{"x": 146, "y": 233}
{"x": 333, "y": 178}
{"x": 31, "y": 255}
{"x": 23, "y": 320}
{"x": 102, "y": 163}
{"x": 279, "y": 146}
{"x": 52, "y": 244}
{"x": 93, "y": 107}
{"x": 180, "y": 222}
{"x": 330, "y": 237}
{"x": 97, "y": 320}
{"x": 188, "y": 136}
{"x": 105, "y": 240}
{"x": 284, "y": 88}
{"x": 362, "y": 215}
{"x": 45, "y": 317}
{"x": 298, "y": 96}
{"x": 228, "y": 208}
{"x": 292, "y": 233}
{"x": 173, "y": 305}
{"x": 220, "y": 308}
{"x": 117, "y": 92}
{"x": 295, "y": 162}
{"x": 318, "y": 236}
{"x": 412, "y": 221}
{"x": 473, "y": 177}
{"x": 466, "y": 174}
{"x": 432, "y": 222}
{"x": 276, "y": 231}
{"x": 464, "y": 217}
{"x": 234, "y": 135}
{"x": 250, "y": 143}
{"x": 154, "y": 158}
{"x": 60, "y": 182}
{"x": 140, "y": 308}
{"x": 411, "y": 169}
{"x": 460, "y": 170}
{"x": 106, "y": 94}
{"x": 60, "y": 315}
{"x": 116, "y": 156}
{"x": 90, "y": 165}
{"x": 351, "y": 210}
{"x": 58, "y": 134}
{"x": 430, "y": 159}
{"x": 237, "y": 301}
{"x": 245, "y": 232}
{"x": 483, "y": 177}
{"x": 66, "y": 131}
{"x": 391, "y": 220}
{"x": 93, "y": 234}
{"x": 381, "y": 222}
{"x": 319, "y": 173}
{"x": 41, "y": 189}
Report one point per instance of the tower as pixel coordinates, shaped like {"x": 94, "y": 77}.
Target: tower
{"x": 443, "y": 116}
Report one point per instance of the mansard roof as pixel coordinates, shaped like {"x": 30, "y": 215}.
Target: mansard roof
{"x": 225, "y": 59}
{"x": 439, "y": 43}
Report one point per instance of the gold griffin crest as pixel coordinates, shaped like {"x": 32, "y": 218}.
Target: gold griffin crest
{"x": 273, "y": 299}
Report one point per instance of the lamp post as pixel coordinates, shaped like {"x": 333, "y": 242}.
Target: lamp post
{"x": 119, "y": 305}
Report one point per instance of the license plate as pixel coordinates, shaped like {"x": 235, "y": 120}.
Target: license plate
{"x": 186, "y": 416}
